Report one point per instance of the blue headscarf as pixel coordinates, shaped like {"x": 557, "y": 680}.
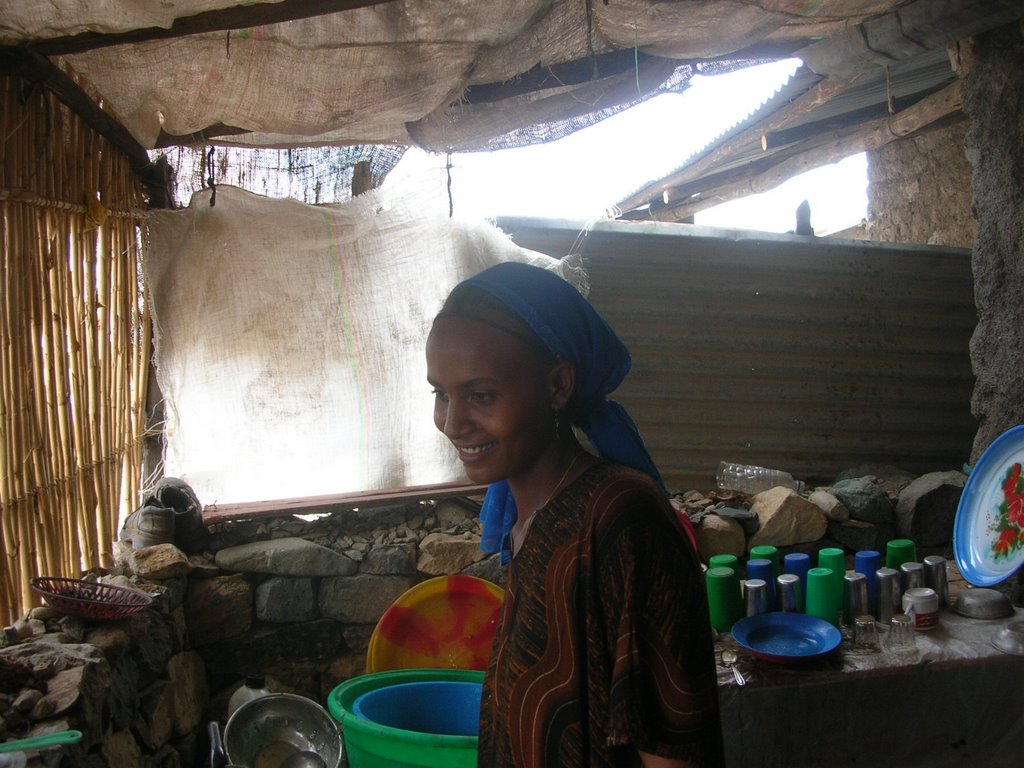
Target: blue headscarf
{"x": 572, "y": 330}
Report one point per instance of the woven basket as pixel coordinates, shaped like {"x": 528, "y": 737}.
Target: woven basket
{"x": 90, "y": 599}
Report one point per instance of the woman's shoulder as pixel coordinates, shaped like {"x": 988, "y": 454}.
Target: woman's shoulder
{"x": 610, "y": 483}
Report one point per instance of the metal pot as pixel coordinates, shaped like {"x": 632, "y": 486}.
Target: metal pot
{"x": 277, "y": 730}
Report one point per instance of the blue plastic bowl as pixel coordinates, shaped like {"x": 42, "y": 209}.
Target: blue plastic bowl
{"x": 440, "y": 707}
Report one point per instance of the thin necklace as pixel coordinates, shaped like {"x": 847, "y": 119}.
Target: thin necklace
{"x": 561, "y": 480}
{"x": 518, "y": 540}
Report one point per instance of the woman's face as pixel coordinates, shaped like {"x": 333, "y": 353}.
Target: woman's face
{"x": 493, "y": 398}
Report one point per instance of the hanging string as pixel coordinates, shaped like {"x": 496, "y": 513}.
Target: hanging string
{"x": 448, "y": 171}
{"x": 210, "y": 179}
{"x": 889, "y": 98}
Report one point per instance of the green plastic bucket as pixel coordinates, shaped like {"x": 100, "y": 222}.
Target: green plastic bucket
{"x": 372, "y": 745}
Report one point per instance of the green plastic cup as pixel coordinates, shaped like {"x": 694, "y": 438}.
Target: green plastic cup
{"x": 724, "y": 561}
{"x": 898, "y": 552}
{"x": 725, "y": 601}
{"x": 768, "y": 552}
{"x": 822, "y": 599}
{"x": 834, "y": 559}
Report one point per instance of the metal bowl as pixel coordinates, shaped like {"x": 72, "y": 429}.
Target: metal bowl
{"x": 1010, "y": 639}
{"x": 983, "y": 603}
{"x": 270, "y": 729}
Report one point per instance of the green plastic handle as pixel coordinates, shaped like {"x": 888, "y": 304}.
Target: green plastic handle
{"x": 41, "y": 742}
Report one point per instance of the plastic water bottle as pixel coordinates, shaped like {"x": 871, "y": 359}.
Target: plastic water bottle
{"x": 749, "y": 479}
{"x": 254, "y": 687}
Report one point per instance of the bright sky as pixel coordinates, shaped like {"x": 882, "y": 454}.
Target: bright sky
{"x": 583, "y": 175}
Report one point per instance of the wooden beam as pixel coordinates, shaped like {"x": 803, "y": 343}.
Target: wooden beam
{"x": 686, "y": 200}
{"x": 220, "y": 20}
{"x": 546, "y": 76}
{"x": 198, "y": 137}
{"x": 36, "y": 68}
{"x": 254, "y": 510}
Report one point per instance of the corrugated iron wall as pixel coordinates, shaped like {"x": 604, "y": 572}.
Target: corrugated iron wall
{"x": 809, "y": 355}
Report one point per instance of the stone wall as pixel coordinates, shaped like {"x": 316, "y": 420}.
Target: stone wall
{"x": 296, "y": 600}
{"x": 919, "y": 190}
{"x": 993, "y": 98}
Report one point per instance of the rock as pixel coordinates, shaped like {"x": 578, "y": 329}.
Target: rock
{"x": 156, "y": 713}
{"x": 927, "y": 507}
{"x": 26, "y": 700}
{"x": 120, "y": 748}
{"x": 490, "y": 569}
{"x": 786, "y": 518}
{"x": 123, "y": 698}
{"x": 187, "y": 676}
{"x": 866, "y": 500}
{"x": 280, "y": 599}
{"x": 718, "y": 535}
{"x": 164, "y": 561}
{"x": 856, "y": 535}
{"x": 360, "y": 599}
{"x": 442, "y": 553}
{"x": 833, "y": 508}
{"x": 280, "y": 651}
{"x": 218, "y": 608}
{"x": 747, "y": 518}
{"x": 892, "y": 479}
{"x": 390, "y": 559}
{"x": 286, "y": 557}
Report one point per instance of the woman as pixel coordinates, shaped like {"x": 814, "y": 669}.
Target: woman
{"x": 604, "y": 654}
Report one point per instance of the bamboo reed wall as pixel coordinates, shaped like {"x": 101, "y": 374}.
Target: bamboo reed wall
{"x": 75, "y": 342}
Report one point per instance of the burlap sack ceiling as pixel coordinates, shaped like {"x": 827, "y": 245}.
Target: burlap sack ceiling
{"x": 441, "y": 74}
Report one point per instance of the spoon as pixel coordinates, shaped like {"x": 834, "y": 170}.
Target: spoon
{"x": 729, "y": 661}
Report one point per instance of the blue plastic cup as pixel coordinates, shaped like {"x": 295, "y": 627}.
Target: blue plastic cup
{"x": 868, "y": 561}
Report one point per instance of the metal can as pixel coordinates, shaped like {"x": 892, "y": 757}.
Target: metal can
{"x": 937, "y": 578}
{"x": 757, "y": 596}
{"x": 788, "y": 587}
{"x": 912, "y": 575}
{"x": 855, "y": 597}
{"x": 889, "y": 594}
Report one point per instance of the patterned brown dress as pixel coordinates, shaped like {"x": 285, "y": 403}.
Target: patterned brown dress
{"x": 604, "y": 646}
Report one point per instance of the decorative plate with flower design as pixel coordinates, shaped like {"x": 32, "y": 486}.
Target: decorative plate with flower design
{"x": 988, "y": 533}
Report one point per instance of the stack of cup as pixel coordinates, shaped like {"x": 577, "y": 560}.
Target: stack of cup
{"x": 936, "y": 578}
{"x": 763, "y": 570}
{"x": 798, "y": 564}
{"x": 889, "y": 595}
{"x": 911, "y": 575}
{"x": 724, "y": 561}
{"x": 823, "y": 600}
{"x": 758, "y": 597}
{"x": 790, "y": 593}
{"x": 767, "y": 552}
{"x": 725, "y": 600}
{"x": 868, "y": 561}
{"x": 855, "y": 597}
{"x": 834, "y": 559}
{"x": 898, "y": 552}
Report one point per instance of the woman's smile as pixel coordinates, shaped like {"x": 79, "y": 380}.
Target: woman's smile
{"x": 490, "y": 399}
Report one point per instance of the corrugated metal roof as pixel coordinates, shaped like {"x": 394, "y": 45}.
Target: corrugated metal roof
{"x": 740, "y": 150}
{"x": 807, "y": 355}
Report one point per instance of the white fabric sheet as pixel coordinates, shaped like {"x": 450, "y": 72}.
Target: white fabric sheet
{"x": 289, "y": 340}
